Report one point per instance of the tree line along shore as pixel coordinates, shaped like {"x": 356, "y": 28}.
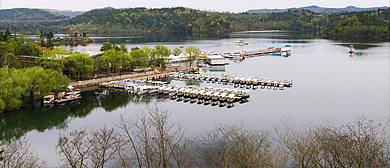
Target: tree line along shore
{"x": 192, "y": 22}
{"x": 55, "y": 66}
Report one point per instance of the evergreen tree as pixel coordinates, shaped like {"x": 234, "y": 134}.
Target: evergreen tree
{"x": 8, "y": 34}
{"x": 50, "y": 35}
{"x": 106, "y": 46}
{"x": 115, "y": 47}
{"x": 1, "y": 36}
{"x": 124, "y": 48}
{"x": 49, "y": 43}
{"x": 43, "y": 43}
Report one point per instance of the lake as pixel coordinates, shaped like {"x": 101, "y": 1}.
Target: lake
{"x": 329, "y": 84}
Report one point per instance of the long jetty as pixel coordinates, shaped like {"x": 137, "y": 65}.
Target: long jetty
{"x": 258, "y": 52}
{"x": 150, "y": 75}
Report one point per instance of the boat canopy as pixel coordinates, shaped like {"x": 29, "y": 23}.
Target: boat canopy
{"x": 48, "y": 96}
{"x": 118, "y": 82}
{"x": 275, "y": 46}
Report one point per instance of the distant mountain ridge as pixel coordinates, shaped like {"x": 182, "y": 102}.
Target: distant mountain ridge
{"x": 68, "y": 13}
{"x": 317, "y": 9}
{"x": 26, "y": 14}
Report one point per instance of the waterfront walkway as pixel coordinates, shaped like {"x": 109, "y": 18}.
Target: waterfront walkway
{"x": 140, "y": 75}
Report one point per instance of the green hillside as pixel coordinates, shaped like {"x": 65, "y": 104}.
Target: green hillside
{"x": 190, "y": 21}
{"x": 178, "y": 19}
{"x": 185, "y": 20}
{"x": 373, "y": 24}
{"x": 25, "y": 14}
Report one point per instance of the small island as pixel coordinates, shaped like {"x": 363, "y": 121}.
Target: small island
{"x": 74, "y": 38}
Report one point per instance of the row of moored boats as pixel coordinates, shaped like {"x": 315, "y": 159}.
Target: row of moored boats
{"x": 242, "y": 80}
{"x": 207, "y": 95}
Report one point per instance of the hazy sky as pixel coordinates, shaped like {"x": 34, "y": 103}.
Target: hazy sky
{"x": 218, "y": 5}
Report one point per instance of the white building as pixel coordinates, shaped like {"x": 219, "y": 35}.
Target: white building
{"x": 215, "y": 60}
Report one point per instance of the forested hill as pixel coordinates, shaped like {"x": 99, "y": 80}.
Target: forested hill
{"x": 25, "y": 14}
{"x": 68, "y": 13}
{"x": 190, "y": 21}
{"x": 317, "y": 9}
{"x": 374, "y": 24}
{"x": 183, "y": 20}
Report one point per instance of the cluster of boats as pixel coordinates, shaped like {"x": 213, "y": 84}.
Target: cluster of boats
{"x": 243, "y": 81}
{"x": 63, "y": 97}
{"x": 207, "y": 95}
{"x": 272, "y": 50}
{"x": 135, "y": 86}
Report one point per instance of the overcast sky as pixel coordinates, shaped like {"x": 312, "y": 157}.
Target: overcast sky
{"x": 217, "y": 5}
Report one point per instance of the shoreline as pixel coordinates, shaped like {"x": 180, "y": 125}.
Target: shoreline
{"x": 142, "y": 75}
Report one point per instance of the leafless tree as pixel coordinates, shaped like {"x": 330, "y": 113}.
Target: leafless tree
{"x": 94, "y": 149}
{"x": 17, "y": 153}
{"x": 298, "y": 142}
{"x": 231, "y": 146}
{"x": 75, "y": 148}
{"x": 152, "y": 141}
{"x": 363, "y": 143}
{"x": 105, "y": 143}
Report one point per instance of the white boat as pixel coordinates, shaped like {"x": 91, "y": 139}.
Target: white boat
{"x": 236, "y": 79}
{"x": 351, "y": 49}
{"x": 153, "y": 89}
{"x": 223, "y": 97}
{"x": 216, "y": 95}
{"x": 231, "y": 98}
{"x": 142, "y": 90}
{"x": 173, "y": 93}
{"x": 187, "y": 92}
{"x": 242, "y": 80}
{"x": 48, "y": 99}
{"x": 208, "y": 95}
{"x": 161, "y": 89}
{"x": 241, "y": 42}
{"x": 227, "y": 55}
{"x": 236, "y": 54}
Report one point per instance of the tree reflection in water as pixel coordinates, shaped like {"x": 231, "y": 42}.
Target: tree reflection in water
{"x": 18, "y": 123}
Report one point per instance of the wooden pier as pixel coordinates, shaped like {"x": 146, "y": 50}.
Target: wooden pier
{"x": 151, "y": 75}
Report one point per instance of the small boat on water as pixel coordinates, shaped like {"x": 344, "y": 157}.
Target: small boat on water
{"x": 351, "y": 49}
{"x": 48, "y": 99}
{"x": 227, "y": 55}
{"x": 68, "y": 98}
{"x": 141, "y": 90}
{"x": 236, "y": 54}
{"x": 223, "y": 97}
{"x": 153, "y": 90}
{"x": 173, "y": 93}
{"x": 180, "y": 92}
{"x": 241, "y": 42}
{"x": 231, "y": 98}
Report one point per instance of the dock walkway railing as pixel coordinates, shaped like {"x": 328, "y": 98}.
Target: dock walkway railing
{"x": 141, "y": 75}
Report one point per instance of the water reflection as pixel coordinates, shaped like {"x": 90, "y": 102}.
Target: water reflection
{"x": 131, "y": 38}
{"x": 359, "y": 46}
{"x": 18, "y": 123}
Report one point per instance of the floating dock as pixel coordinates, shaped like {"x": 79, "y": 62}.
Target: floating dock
{"x": 242, "y": 81}
{"x": 270, "y": 50}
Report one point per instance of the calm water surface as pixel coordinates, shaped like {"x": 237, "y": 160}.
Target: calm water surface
{"x": 329, "y": 83}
